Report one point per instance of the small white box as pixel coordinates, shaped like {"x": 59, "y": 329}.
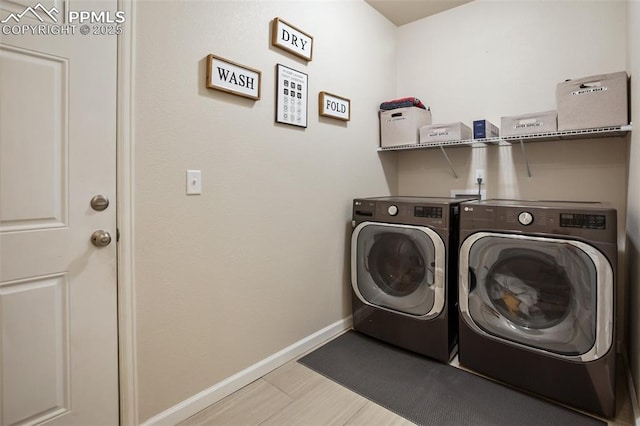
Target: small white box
{"x": 445, "y": 132}
{"x": 596, "y": 101}
{"x": 401, "y": 126}
{"x": 526, "y": 124}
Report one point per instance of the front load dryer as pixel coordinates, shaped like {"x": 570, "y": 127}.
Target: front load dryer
{"x": 536, "y": 298}
{"x": 403, "y": 272}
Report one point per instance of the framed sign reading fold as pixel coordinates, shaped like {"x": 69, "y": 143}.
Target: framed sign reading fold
{"x": 291, "y": 96}
{"x": 333, "y": 106}
{"x": 230, "y": 77}
{"x": 287, "y": 37}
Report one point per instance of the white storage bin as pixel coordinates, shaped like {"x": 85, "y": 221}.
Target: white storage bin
{"x": 537, "y": 122}
{"x": 444, "y": 132}
{"x": 401, "y": 126}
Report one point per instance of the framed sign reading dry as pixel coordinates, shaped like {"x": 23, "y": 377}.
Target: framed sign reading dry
{"x": 287, "y": 37}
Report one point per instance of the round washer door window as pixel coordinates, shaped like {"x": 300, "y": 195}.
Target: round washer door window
{"x": 541, "y": 293}
{"x": 399, "y": 267}
{"x": 530, "y": 289}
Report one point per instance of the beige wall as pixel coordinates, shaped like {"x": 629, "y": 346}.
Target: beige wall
{"x": 488, "y": 59}
{"x": 633, "y": 203}
{"x": 259, "y": 260}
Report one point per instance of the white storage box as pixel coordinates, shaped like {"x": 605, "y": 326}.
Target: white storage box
{"x": 526, "y": 124}
{"x": 401, "y": 126}
{"x": 444, "y": 132}
{"x": 596, "y": 101}
{"x": 484, "y": 129}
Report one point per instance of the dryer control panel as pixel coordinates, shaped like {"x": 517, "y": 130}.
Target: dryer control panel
{"x": 586, "y": 221}
{"x": 429, "y": 211}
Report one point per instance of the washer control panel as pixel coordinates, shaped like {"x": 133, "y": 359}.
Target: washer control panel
{"x": 525, "y": 218}
{"x": 428, "y": 211}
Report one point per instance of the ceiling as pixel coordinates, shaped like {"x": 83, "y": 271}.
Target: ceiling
{"x": 402, "y": 12}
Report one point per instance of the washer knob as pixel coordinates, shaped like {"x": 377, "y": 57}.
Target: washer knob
{"x": 525, "y": 218}
{"x": 392, "y": 210}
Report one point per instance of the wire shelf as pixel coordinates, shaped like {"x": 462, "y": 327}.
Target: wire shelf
{"x": 599, "y": 132}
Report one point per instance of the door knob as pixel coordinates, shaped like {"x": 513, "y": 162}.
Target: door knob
{"x": 100, "y": 238}
{"x": 99, "y": 203}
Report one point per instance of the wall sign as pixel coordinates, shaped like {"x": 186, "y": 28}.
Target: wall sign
{"x": 291, "y": 96}
{"x": 230, "y": 77}
{"x": 334, "y": 106}
{"x": 291, "y": 39}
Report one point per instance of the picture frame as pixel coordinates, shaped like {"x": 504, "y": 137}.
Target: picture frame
{"x": 293, "y": 40}
{"x": 231, "y": 77}
{"x": 291, "y": 96}
{"x": 334, "y": 106}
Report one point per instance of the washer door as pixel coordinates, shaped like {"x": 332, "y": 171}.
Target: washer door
{"x": 399, "y": 268}
{"x": 552, "y": 295}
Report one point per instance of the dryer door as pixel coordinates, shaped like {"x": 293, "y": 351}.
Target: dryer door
{"x": 551, "y": 295}
{"x": 399, "y": 268}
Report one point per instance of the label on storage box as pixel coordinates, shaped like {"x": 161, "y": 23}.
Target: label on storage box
{"x": 526, "y": 124}
{"x": 436, "y": 133}
{"x": 589, "y": 90}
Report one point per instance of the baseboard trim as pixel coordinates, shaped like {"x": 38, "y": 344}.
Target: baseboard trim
{"x": 215, "y": 393}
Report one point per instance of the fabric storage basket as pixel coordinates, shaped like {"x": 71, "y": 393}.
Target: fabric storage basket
{"x": 444, "y": 132}
{"x": 525, "y": 124}
{"x": 596, "y": 101}
{"x": 401, "y": 126}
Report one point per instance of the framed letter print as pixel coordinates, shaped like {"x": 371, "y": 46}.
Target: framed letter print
{"x": 334, "y": 106}
{"x": 287, "y": 37}
{"x": 230, "y": 77}
{"x": 291, "y": 96}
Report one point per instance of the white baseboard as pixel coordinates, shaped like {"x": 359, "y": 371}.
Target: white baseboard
{"x": 215, "y": 393}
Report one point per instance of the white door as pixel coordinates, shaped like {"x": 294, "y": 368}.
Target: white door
{"x": 58, "y": 311}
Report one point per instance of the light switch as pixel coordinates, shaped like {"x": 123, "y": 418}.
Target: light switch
{"x": 194, "y": 182}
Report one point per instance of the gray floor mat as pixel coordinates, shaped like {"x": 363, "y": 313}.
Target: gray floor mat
{"x": 430, "y": 393}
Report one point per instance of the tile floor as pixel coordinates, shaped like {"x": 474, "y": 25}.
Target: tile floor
{"x": 296, "y": 395}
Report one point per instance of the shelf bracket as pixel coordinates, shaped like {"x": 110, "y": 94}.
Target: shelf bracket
{"x": 449, "y": 161}
{"x": 526, "y": 160}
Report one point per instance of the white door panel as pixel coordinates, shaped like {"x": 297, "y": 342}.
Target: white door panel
{"x": 58, "y": 307}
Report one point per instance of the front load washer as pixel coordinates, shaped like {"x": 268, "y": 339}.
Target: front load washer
{"x": 403, "y": 272}
{"x": 536, "y": 298}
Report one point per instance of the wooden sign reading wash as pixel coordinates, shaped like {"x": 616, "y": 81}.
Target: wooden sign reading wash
{"x": 287, "y": 37}
{"x": 230, "y": 77}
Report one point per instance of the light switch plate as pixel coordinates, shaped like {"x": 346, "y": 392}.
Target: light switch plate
{"x": 194, "y": 182}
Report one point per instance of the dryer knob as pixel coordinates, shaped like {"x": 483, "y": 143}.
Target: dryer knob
{"x": 525, "y": 218}
{"x": 392, "y": 210}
